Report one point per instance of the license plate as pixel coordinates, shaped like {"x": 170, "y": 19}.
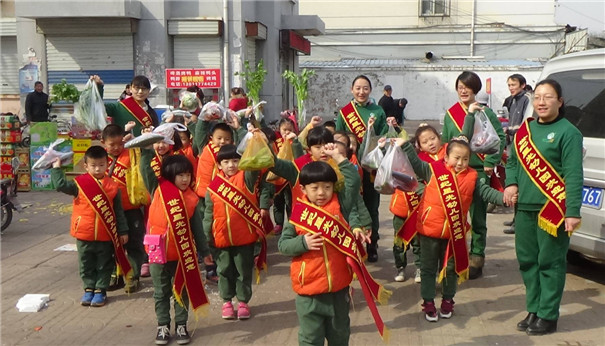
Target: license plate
{"x": 592, "y": 197}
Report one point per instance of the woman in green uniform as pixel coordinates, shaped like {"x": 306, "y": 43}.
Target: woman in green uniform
{"x": 354, "y": 118}
{"x": 545, "y": 168}
{"x": 468, "y": 85}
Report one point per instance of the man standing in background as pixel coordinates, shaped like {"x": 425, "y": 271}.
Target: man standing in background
{"x": 387, "y": 103}
{"x": 36, "y": 104}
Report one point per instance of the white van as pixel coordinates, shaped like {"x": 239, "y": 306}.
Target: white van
{"x": 582, "y": 78}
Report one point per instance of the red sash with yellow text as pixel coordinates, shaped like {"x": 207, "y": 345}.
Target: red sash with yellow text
{"x": 156, "y": 165}
{"x": 213, "y": 150}
{"x": 408, "y": 229}
{"x": 333, "y": 231}
{"x": 118, "y": 174}
{"x": 354, "y": 121}
{"x": 244, "y": 207}
{"x": 137, "y": 111}
{"x": 187, "y": 273}
{"x": 457, "y": 113}
{"x": 99, "y": 201}
{"x": 452, "y": 205}
{"x": 545, "y": 177}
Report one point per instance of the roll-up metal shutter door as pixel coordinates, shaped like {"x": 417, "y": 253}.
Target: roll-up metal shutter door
{"x": 9, "y": 73}
{"x": 251, "y": 51}
{"x": 197, "y": 52}
{"x": 75, "y": 58}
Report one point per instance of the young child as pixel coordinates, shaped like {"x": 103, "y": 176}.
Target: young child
{"x": 97, "y": 222}
{"x": 119, "y": 163}
{"x": 187, "y": 149}
{"x": 330, "y": 125}
{"x": 174, "y": 216}
{"x": 320, "y": 271}
{"x": 451, "y": 188}
{"x": 161, "y": 150}
{"x": 232, "y": 223}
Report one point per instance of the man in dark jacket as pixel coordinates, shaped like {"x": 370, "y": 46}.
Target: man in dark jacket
{"x": 36, "y": 104}
{"x": 387, "y": 103}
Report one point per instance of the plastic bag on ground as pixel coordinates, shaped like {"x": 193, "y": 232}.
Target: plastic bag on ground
{"x": 395, "y": 172}
{"x": 32, "y": 302}
{"x": 485, "y": 138}
{"x": 257, "y": 155}
{"x": 47, "y": 159}
{"x": 91, "y": 108}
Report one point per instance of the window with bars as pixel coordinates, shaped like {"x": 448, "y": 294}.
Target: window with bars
{"x": 434, "y": 8}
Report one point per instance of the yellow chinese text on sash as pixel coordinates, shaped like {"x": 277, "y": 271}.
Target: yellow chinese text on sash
{"x": 546, "y": 178}
{"x": 119, "y": 171}
{"x": 333, "y": 231}
{"x": 408, "y": 229}
{"x": 156, "y": 165}
{"x": 187, "y": 273}
{"x": 457, "y": 113}
{"x": 137, "y": 111}
{"x": 91, "y": 188}
{"x": 452, "y": 206}
{"x": 353, "y": 120}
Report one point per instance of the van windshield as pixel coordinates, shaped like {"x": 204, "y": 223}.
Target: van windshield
{"x": 584, "y": 95}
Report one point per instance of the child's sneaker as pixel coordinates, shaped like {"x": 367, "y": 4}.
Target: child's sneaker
{"x": 400, "y": 277}
{"x": 99, "y": 299}
{"x": 447, "y": 308}
{"x": 87, "y": 297}
{"x": 228, "y": 312}
{"x": 243, "y": 311}
{"x": 182, "y": 335}
{"x": 163, "y": 335}
{"x": 116, "y": 282}
{"x": 417, "y": 278}
{"x": 133, "y": 286}
{"x": 430, "y": 311}
{"x": 145, "y": 270}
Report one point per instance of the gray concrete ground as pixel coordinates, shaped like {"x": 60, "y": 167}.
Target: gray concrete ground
{"x": 486, "y": 309}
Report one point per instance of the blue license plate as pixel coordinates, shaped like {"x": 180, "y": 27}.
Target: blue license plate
{"x": 592, "y": 197}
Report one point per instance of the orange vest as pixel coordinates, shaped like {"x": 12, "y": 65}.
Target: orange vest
{"x": 207, "y": 167}
{"x": 228, "y": 227}
{"x": 85, "y": 224}
{"x": 321, "y": 271}
{"x": 426, "y": 157}
{"x": 399, "y": 205}
{"x": 188, "y": 153}
{"x": 355, "y": 163}
{"x": 432, "y": 221}
{"x": 300, "y": 163}
{"x": 157, "y": 223}
{"x": 124, "y": 159}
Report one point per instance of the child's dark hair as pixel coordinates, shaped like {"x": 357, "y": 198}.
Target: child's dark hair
{"x": 347, "y": 140}
{"x": 174, "y": 165}
{"x": 221, "y": 126}
{"x": 424, "y": 127}
{"x": 227, "y": 152}
{"x": 112, "y": 130}
{"x": 330, "y": 123}
{"x": 269, "y": 133}
{"x": 187, "y": 132}
{"x": 458, "y": 141}
{"x": 178, "y": 144}
{"x": 95, "y": 152}
{"x": 286, "y": 121}
{"x": 315, "y": 172}
{"x": 319, "y": 135}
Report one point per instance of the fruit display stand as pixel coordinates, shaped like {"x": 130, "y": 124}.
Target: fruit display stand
{"x": 10, "y": 138}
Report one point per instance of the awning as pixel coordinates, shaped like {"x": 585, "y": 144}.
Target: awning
{"x": 307, "y": 25}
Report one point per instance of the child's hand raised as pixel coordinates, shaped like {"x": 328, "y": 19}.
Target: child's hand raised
{"x": 129, "y": 126}
{"x": 291, "y": 136}
{"x": 57, "y": 163}
{"x": 313, "y": 241}
{"x": 316, "y": 121}
{"x": 331, "y": 150}
{"x": 398, "y": 141}
{"x": 382, "y": 142}
{"x": 147, "y": 129}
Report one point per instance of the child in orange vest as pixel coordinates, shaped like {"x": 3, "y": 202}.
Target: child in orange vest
{"x": 173, "y": 201}
{"x": 232, "y": 223}
{"x": 320, "y": 273}
{"x": 442, "y": 221}
{"x": 119, "y": 163}
{"x": 97, "y": 222}
{"x": 187, "y": 149}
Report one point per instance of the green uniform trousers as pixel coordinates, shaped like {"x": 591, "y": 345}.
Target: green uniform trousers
{"x": 431, "y": 263}
{"x": 234, "y": 267}
{"x": 135, "y": 248}
{"x": 399, "y": 252}
{"x": 542, "y": 262}
{"x": 479, "y": 222}
{"x": 371, "y": 198}
{"x": 163, "y": 277}
{"x": 324, "y": 317}
{"x": 282, "y": 205}
{"x": 96, "y": 262}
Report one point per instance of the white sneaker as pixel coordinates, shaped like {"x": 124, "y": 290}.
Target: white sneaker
{"x": 400, "y": 277}
{"x": 417, "y": 278}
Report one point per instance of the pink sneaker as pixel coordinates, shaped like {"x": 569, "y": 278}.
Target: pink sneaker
{"x": 243, "y": 311}
{"x": 145, "y": 270}
{"x": 228, "y": 312}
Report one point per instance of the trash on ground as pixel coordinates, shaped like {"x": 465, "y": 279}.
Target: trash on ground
{"x": 32, "y": 302}
{"x": 67, "y": 247}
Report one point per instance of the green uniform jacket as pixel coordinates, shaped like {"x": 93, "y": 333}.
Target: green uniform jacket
{"x": 292, "y": 244}
{"x": 450, "y": 130}
{"x": 69, "y": 187}
{"x": 560, "y": 142}
{"x": 380, "y": 125}
{"x": 121, "y": 115}
{"x": 423, "y": 171}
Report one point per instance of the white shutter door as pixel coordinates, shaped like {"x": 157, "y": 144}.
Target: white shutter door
{"x": 197, "y": 52}
{"x": 74, "y": 58}
{"x": 9, "y": 73}
{"x": 251, "y": 51}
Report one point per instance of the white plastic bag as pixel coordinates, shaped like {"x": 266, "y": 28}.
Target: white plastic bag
{"x": 372, "y": 160}
{"x": 244, "y": 143}
{"x": 47, "y": 159}
{"x": 212, "y": 111}
{"x": 485, "y": 138}
{"x": 395, "y": 172}
{"x": 91, "y": 108}
{"x": 32, "y": 302}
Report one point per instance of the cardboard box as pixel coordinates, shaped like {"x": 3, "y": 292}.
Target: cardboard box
{"x": 43, "y": 133}
{"x": 41, "y": 180}
{"x": 24, "y": 180}
{"x": 23, "y": 155}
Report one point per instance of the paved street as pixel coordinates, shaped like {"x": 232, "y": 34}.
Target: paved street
{"x": 486, "y": 309}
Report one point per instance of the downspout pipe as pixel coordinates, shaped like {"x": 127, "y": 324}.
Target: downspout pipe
{"x": 473, "y": 15}
{"x": 226, "y": 68}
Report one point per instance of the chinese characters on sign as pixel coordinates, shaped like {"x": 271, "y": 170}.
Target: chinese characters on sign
{"x": 178, "y": 78}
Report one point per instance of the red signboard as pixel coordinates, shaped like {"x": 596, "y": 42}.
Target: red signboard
{"x": 299, "y": 43}
{"x": 179, "y": 78}
{"x": 488, "y": 86}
